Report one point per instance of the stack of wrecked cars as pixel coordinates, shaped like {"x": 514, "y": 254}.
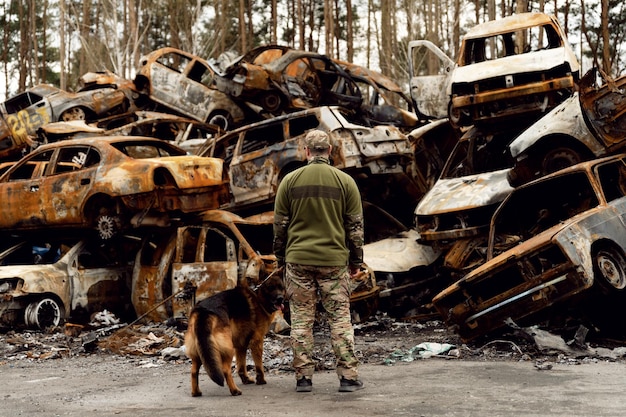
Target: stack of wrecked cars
{"x": 520, "y": 123}
{"x": 559, "y": 239}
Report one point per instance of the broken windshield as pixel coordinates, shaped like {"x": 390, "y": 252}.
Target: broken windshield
{"x": 478, "y": 155}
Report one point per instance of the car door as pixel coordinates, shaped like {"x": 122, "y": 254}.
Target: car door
{"x": 21, "y": 193}
{"x": 68, "y": 183}
{"x": 25, "y": 113}
{"x": 430, "y": 71}
{"x": 205, "y": 261}
{"x": 99, "y": 280}
{"x": 182, "y": 83}
{"x": 254, "y": 168}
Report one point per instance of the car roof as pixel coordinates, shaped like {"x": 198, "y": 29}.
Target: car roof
{"x": 508, "y": 24}
{"x": 98, "y": 139}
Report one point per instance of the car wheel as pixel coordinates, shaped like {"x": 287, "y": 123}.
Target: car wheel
{"x": 271, "y": 102}
{"x": 75, "y": 113}
{"x": 43, "y": 313}
{"x": 108, "y": 225}
{"x": 458, "y": 117}
{"x": 559, "y": 158}
{"x": 610, "y": 269}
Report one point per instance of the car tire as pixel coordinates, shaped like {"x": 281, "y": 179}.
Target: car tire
{"x": 610, "y": 270}
{"x": 43, "y": 313}
{"x": 271, "y": 102}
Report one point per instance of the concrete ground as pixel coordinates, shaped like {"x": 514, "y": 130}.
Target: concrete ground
{"x": 109, "y": 385}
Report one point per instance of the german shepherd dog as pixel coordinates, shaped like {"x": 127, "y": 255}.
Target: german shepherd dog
{"x": 227, "y": 324}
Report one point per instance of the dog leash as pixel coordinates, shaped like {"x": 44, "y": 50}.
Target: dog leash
{"x": 266, "y": 278}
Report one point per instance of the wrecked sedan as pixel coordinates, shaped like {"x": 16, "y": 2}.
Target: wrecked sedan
{"x": 279, "y": 78}
{"x": 26, "y": 112}
{"x": 108, "y": 184}
{"x": 178, "y": 266}
{"x": 550, "y": 240}
{"x": 588, "y": 125}
{"x": 517, "y": 67}
{"x": 184, "y": 83}
{"x": 259, "y": 155}
{"x": 46, "y": 282}
{"x": 189, "y": 134}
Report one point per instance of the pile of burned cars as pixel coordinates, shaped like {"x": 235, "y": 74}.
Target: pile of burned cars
{"x": 547, "y": 251}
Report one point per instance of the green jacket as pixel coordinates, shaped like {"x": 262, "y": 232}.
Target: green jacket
{"x": 318, "y": 217}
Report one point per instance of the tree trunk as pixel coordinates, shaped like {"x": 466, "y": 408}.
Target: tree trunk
{"x": 606, "y": 47}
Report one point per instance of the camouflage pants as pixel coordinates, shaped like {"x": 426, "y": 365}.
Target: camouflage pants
{"x": 306, "y": 285}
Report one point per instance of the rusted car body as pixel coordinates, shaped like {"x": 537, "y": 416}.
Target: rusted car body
{"x": 9, "y": 145}
{"x": 384, "y": 102}
{"x": 517, "y": 67}
{"x": 260, "y": 154}
{"x": 26, "y": 112}
{"x": 550, "y": 240}
{"x": 188, "y": 134}
{"x": 209, "y": 256}
{"x": 184, "y": 83}
{"x": 106, "y": 79}
{"x": 107, "y": 184}
{"x": 588, "y": 125}
{"x": 279, "y": 78}
{"x": 45, "y": 282}
{"x": 405, "y": 270}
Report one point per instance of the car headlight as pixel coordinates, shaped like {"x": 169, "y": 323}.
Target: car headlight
{"x": 8, "y": 285}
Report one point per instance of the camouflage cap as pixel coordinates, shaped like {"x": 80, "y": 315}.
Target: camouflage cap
{"x": 317, "y": 139}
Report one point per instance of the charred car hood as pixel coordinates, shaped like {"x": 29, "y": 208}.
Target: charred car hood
{"x": 541, "y": 61}
{"x": 455, "y": 194}
{"x": 35, "y": 276}
{"x": 400, "y": 253}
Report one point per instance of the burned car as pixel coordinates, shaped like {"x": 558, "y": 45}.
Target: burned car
{"x": 588, "y": 125}
{"x": 279, "y": 78}
{"x": 517, "y": 67}
{"x": 384, "y": 102}
{"x": 108, "y": 184}
{"x": 188, "y": 134}
{"x": 550, "y": 241}
{"x": 184, "y": 83}
{"x": 26, "y": 112}
{"x": 177, "y": 266}
{"x": 259, "y": 155}
{"x": 44, "y": 282}
{"x": 472, "y": 185}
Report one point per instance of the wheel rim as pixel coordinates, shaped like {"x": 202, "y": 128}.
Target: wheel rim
{"x": 612, "y": 269}
{"x": 220, "y": 120}
{"x": 73, "y": 114}
{"x": 43, "y": 313}
{"x": 559, "y": 159}
{"x": 107, "y": 226}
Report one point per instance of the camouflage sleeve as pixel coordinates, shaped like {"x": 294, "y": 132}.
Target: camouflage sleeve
{"x": 354, "y": 231}
{"x": 281, "y": 224}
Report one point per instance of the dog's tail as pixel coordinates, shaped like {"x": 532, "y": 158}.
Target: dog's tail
{"x": 207, "y": 349}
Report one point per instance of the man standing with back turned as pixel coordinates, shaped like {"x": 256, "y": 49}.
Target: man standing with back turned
{"x": 318, "y": 235}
